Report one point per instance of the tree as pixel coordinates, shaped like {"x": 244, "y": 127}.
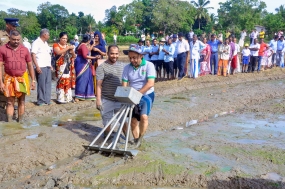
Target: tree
{"x": 90, "y": 21}
{"x": 273, "y": 23}
{"x": 174, "y": 11}
{"x": 281, "y": 10}
{"x": 237, "y": 15}
{"x": 201, "y": 10}
{"x": 29, "y": 23}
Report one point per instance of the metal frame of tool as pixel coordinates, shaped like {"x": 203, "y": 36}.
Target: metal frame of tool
{"x": 129, "y": 98}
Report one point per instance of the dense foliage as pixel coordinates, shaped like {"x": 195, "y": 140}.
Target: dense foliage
{"x": 160, "y": 17}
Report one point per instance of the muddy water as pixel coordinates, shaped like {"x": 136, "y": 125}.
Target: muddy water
{"x": 238, "y": 139}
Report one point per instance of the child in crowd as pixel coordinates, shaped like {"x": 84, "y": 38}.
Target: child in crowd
{"x": 245, "y": 58}
{"x": 267, "y": 59}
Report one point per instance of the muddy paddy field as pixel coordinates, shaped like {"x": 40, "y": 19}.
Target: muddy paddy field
{"x": 212, "y": 132}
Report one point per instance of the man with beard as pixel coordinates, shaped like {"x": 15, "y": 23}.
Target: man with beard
{"x": 11, "y": 24}
{"x": 16, "y": 59}
{"x": 109, "y": 77}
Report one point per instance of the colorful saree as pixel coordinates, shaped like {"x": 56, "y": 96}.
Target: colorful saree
{"x": 64, "y": 71}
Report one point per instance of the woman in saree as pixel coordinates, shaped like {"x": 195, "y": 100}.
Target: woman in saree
{"x": 64, "y": 56}
{"x": 98, "y": 51}
{"x": 205, "y": 57}
{"x": 84, "y": 89}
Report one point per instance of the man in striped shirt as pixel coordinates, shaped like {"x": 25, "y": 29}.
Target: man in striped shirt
{"x": 109, "y": 77}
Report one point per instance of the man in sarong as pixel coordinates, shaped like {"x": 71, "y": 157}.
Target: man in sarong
{"x": 15, "y": 58}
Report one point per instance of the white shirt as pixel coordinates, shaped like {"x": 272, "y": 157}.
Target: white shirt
{"x": 254, "y": 53}
{"x": 225, "y": 55}
{"x": 196, "y": 48}
{"x": 253, "y": 35}
{"x": 182, "y": 46}
{"x": 245, "y": 52}
{"x": 42, "y": 52}
{"x": 115, "y": 37}
{"x": 191, "y": 34}
{"x": 143, "y": 37}
{"x": 27, "y": 45}
{"x": 243, "y": 35}
{"x": 237, "y": 49}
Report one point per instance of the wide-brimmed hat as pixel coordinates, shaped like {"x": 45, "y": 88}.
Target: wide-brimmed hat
{"x": 133, "y": 47}
{"x": 246, "y": 45}
{"x": 162, "y": 40}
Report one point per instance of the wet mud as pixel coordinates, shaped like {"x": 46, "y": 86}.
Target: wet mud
{"x": 212, "y": 132}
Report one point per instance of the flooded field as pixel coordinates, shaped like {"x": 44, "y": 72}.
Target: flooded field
{"x": 212, "y": 132}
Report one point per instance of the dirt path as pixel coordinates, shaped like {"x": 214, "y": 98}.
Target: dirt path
{"x": 203, "y": 155}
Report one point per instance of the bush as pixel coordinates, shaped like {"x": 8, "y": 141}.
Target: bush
{"x": 122, "y": 39}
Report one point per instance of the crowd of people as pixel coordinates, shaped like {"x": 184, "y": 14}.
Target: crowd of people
{"x": 193, "y": 56}
{"x": 79, "y": 66}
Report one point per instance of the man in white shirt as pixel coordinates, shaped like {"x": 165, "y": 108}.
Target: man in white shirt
{"x": 42, "y": 63}
{"x": 253, "y": 35}
{"x": 143, "y": 38}
{"x": 182, "y": 54}
{"x": 254, "y": 48}
{"x": 242, "y": 38}
{"x": 115, "y": 39}
{"x": 196, "y": 46}
{"x": 27, "y": 44}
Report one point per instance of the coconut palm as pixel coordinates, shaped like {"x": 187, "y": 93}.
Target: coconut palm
{"x": 90, "y": 21}
{"x": 201, "y": 9}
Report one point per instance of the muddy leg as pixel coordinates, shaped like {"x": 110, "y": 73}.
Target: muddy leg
{"x": 21, "y": 107}
{"x": 135, "y": 128}
{"x": 10, "y": 108}
{"x": 143, "y": 124}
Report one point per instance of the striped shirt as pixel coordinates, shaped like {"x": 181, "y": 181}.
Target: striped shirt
{"x": 111, "y": 75}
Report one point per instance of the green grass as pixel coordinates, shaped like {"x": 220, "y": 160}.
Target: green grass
{"x": 274, "y": 155}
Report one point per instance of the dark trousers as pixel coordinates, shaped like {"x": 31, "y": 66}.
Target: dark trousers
{"x": 251, "y": 41}
{"x": 175, "y": 66}
{"x": 279, "y": 57}
{"x": 252, "y": 63}
{"x": 168, "y": 66}
{"x": 159, "y": 64}
{"x": 181, "y": 58}
{"x": 44, "y": 86}
{"x": 214, "y": 61}
{"x": 259, "y": 62}
{"x": 273, "y": 58}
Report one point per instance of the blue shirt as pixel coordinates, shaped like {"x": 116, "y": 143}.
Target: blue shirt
{"x": 273, "y": 45}
{"x": 154, "y": 49}
{"x": 175, "y": 52}
{"x": 280, "y": 45}
{"x": 161, "y": 53}
{"x": 214, "y": 45}
{"x": 171, "y": 50}
{"x": 146, "y": 50}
